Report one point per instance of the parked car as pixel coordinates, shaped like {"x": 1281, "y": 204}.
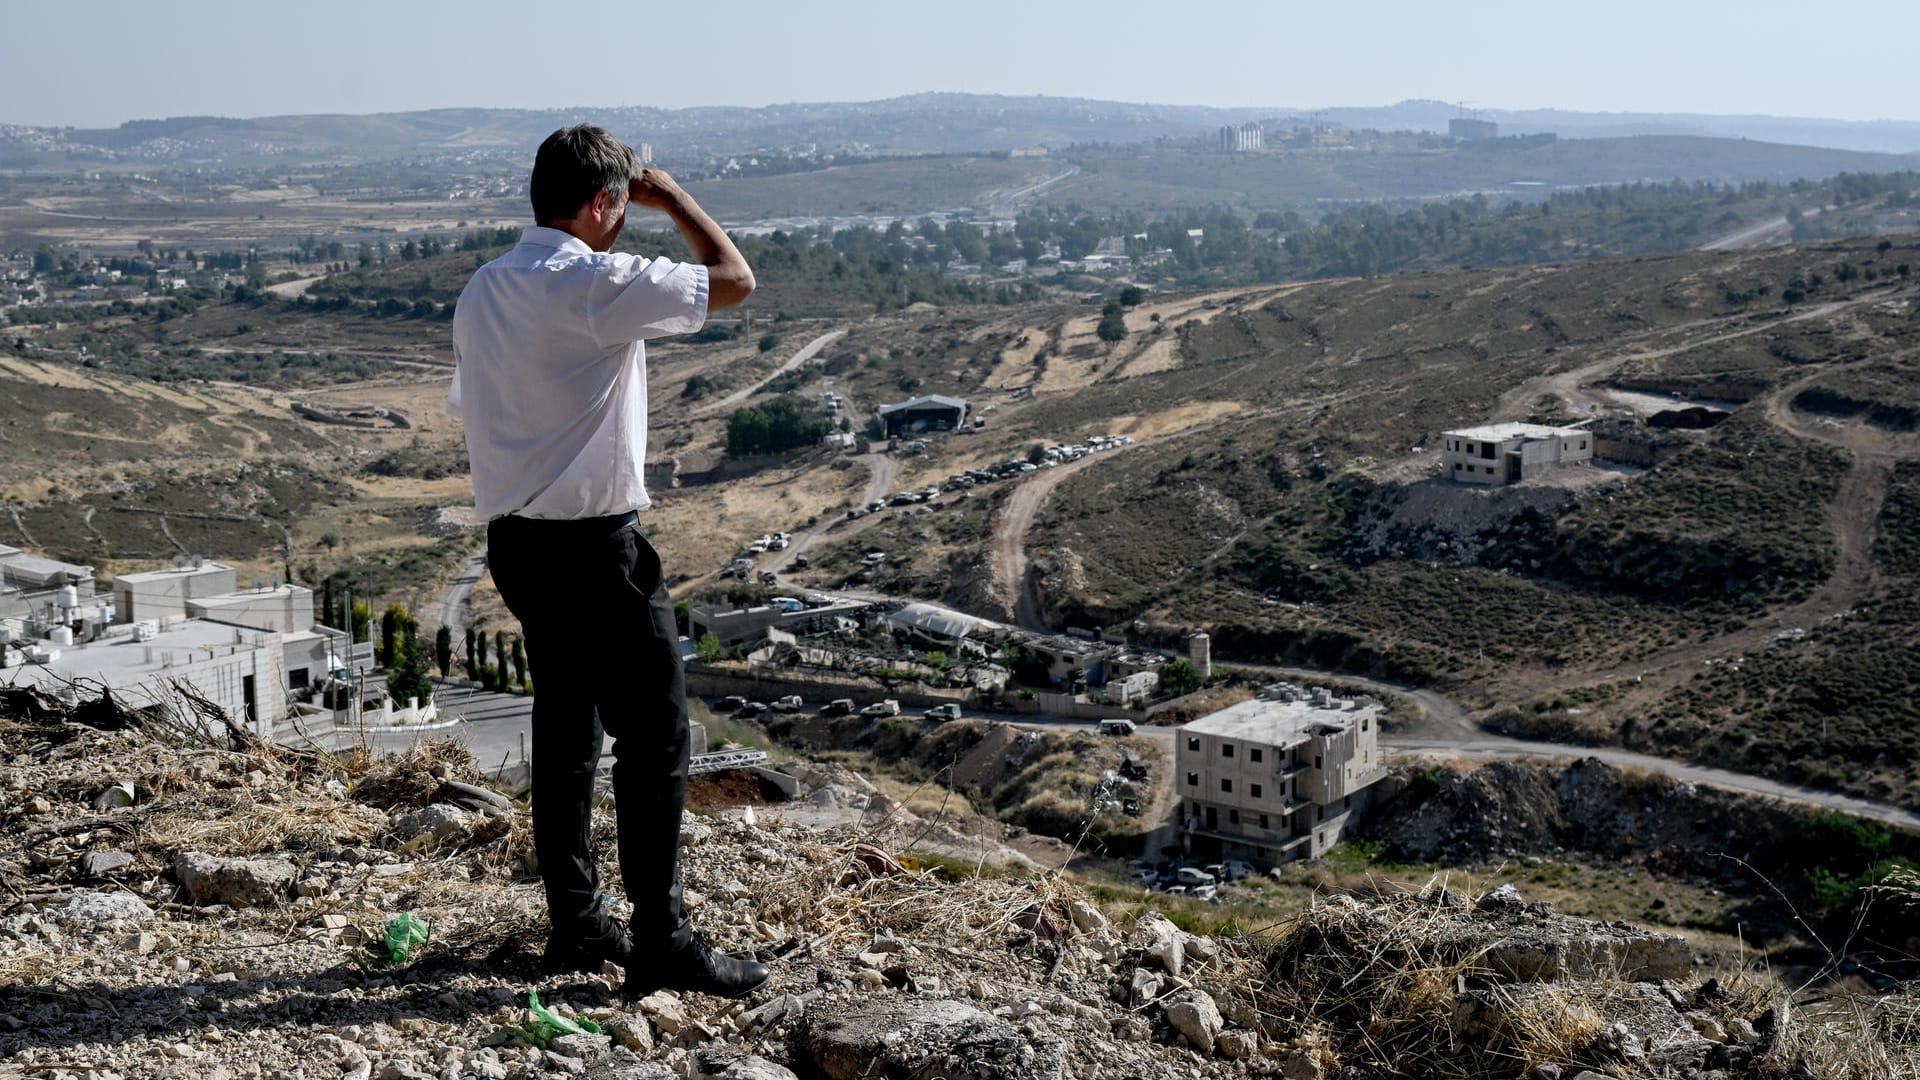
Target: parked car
{"x": 1116, "y": 727}
{"x": 750, "y": 709}
{"x": 889, "y": 707}
{"x": 837, "y": 707}
{"x": 814, "y": 599}
{"x": 1203, "y": 892}
{"x": 768, "y": 577}
{"x": 948, "y": 711}
{"x": 1188, "y": 875}
{"x": 1175, "y": 890}
{"x": 729, "y": 704}
{"x": 788, "y": 704}
{"x": 801, "y": 562}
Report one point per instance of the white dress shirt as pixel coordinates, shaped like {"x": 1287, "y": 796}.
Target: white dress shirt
{"x": 550, "y": 375}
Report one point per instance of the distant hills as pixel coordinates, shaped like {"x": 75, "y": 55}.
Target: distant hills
{"x": 915, "y": 124}
{"x": 1873, "y": 136}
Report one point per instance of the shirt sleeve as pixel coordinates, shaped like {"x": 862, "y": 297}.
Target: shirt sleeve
{"x": 633, "y": 299}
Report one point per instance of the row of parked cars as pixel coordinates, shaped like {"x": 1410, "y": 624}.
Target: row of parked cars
{"x": 735, "y": 705}
{"x": 1200, "y": 882}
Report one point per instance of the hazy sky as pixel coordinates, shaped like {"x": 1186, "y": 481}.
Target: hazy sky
{"x": 117, "y": 60}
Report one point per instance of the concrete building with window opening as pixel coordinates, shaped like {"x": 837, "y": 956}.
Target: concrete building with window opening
{"x": 1497, "y": 454}
{"x": 1279, "y": 777}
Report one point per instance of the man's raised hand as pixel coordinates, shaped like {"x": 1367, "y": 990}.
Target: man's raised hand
{"x": 653, "y": 189}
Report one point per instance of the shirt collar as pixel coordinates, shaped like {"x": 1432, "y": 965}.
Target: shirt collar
{"x": 542, "y": 236}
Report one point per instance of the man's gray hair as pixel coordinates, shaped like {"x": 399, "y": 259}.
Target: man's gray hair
{"x": 573, "y": 165}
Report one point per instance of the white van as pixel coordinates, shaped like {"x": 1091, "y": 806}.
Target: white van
{"x": 1116, "y": 727}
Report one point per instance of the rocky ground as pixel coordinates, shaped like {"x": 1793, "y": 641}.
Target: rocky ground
{"x": 226, "y": 922}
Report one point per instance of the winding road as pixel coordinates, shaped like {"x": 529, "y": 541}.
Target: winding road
{"x": 452, "y": 608}
{"x": 882, "y": 470}
{"x": 807, "y": 352}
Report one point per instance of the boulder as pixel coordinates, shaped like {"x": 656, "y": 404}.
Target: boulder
{"x": 210, "y": 879}
{"x": 664, "y": 1008}
{"x": 1504, "y": 898}
{"x": 1086, "y": 918}
{"x": 921, "y": 1038}
{"x": 1162, "y": 942}
{"x": 1194, "y": 1015}
{"x": 754, "y": 1067}
{"x": 440, "y": 823}
{"x": 584, "y": 1045}
{"x": 101, "y": 863}
{"x": 1303, "y": 1065}
{"x": 632, "y": 1032}
{"x": 101, "y": 909}
{"x": 1237, "y": 1044}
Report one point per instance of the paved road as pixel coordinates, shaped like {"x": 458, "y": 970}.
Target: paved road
{"x": 498, "y": 729}
{"x": 807, "y": 352}
{"x": 452, "y": 607}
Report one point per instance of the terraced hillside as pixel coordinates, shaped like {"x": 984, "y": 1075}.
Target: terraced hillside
{"x": 1619, "y": 607}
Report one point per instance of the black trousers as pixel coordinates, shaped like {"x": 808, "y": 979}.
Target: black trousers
{"x": 604, "y": 651}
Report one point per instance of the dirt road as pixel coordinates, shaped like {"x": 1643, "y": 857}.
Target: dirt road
{"x": 1485, "y": 749}
{"x": 1773, "y": 230}
{"x": 807, "y": 352}
{"x": 882, "y": 468}
{"x": 288, "y": 290}
{"x": 1573, "y": 385}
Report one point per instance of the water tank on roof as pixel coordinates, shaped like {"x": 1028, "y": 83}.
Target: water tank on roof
{"x": 62, "y": 635}
{"x": 69, "y": 596}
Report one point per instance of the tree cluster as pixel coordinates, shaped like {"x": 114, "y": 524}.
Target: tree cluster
{"x": 777, "y": 426}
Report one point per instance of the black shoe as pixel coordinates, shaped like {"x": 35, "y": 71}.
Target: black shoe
{"x": 699, "y": 969}
{"x": 585, "y": 953}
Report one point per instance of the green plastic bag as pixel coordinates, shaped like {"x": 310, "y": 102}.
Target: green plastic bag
{"x": 404, "y": 931}
{"x": 548, "y": 1025}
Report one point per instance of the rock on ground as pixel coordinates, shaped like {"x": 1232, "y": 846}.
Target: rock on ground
{"x": 893, "y": 1037}
{"x": 1194, "y": 1015}
{"x": 234, "y": 882}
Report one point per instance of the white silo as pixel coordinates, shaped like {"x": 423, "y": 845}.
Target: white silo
{"x": 1200, "y": 653}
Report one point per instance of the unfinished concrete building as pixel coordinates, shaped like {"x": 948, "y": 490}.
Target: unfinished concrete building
{"x": 1279, "y": 777}
{"x": 1498, "y": 454}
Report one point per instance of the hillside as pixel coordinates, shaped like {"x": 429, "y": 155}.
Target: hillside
{"x": 228, "y": 924}
{"x": 916, "y": 123}
{"x": 1283, "y": 486}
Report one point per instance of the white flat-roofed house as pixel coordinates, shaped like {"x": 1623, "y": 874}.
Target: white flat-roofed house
{"x": 243, "y": 671}
{"x": 1279, "y": 777}
{"x": 1122, "y": 689}
{"x": 163, "y": 594}
{"x": 1497, "y": 454}
{"x": 281, "y": 609}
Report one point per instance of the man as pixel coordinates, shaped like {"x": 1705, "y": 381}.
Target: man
{"x": 551, "y": 382}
